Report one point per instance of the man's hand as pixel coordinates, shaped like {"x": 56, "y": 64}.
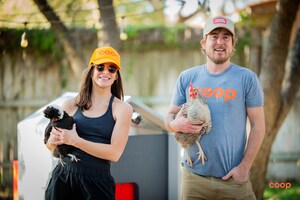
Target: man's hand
{"x": 239, "y": 174}
{"x": 181, "y": 124}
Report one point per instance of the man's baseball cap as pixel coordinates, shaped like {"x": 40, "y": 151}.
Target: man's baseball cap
{"x": 105, "y": 54}
{"x": 218, "y": 22}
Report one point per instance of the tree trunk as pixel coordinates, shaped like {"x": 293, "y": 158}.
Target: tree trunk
{"x": 255, "y": 50}
{"x": 109, "y": 33}
{"x": 73, "y": 55}
{"x": 278, "y": 100}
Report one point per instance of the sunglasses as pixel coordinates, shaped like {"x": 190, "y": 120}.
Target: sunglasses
{"x": 112, "y": 69}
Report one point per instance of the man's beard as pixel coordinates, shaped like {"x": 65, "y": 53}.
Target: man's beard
{"x": 219, "y": 60}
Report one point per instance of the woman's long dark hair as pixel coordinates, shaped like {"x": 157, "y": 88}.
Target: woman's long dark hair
{"x": 84, "y": 98}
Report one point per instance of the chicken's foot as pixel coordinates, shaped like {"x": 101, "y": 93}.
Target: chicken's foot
{"x": 61, "y": 161}
{"x": 73, "y": 157}
{"x": 188, "y": 158}
{"x": 201, "y": 154}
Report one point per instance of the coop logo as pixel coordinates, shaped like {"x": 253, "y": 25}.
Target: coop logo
{"x": 281, "y": 185}
{"x": 108, "y": 53}
{"x": 227, "y": 94}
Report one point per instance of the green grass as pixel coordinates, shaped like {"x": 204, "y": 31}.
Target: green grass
{"x": 292, "y": 193}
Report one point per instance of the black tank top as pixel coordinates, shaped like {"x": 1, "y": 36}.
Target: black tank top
{"x": 95, "y": 129}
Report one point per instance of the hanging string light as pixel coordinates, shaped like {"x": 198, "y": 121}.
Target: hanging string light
{"x": 123, "y": 34}
{"x": 24, "y": 41}
{"x": 45, "y": 23}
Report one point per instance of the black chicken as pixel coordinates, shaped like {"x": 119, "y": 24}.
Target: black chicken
{"x": 59, "y": 118}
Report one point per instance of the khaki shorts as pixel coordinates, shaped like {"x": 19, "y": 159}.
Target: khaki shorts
{"x": 194, "y": 187}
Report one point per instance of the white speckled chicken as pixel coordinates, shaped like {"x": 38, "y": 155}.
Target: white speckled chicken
{"x": 196, "y": 111}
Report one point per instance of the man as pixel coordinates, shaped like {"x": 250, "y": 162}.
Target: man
{"x": 232, "y": 93}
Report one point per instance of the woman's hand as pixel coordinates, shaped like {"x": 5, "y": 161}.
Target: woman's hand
{"x": 64, "y": 136}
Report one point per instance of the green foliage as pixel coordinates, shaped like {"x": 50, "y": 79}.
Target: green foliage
{"x": 40, "y": 41}
{"x": 243, "y": 42}
{"x": 144, "y": 37}
{"x": 45, "y": 42}
{"x": 132, "y": 31}
{"x": 7, "y": 43}
{"x": 170, "y": 35}
{"x": 166, "y": 36}
{"x": 244, "y": 16}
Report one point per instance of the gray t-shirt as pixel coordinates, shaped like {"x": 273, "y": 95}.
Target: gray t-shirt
{"x": 228, "y": 95}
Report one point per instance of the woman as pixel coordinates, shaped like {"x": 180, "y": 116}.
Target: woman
{"x": 100, "y": 132}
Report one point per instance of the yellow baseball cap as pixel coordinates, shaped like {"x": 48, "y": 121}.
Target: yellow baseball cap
{"x": 105, "y": 54}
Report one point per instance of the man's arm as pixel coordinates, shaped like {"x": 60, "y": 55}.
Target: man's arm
{"x": 170, "y": 116}
{"x": 176, "y": 122}
{"x": 257, "y": 132}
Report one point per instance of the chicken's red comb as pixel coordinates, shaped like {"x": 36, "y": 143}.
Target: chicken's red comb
{"x": 191, "y": 86}
{"x": 192, "y": 94}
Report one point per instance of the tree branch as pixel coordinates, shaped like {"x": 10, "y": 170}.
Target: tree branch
{"x": 109, "y": 35}
{"x": 63, "y": 35}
